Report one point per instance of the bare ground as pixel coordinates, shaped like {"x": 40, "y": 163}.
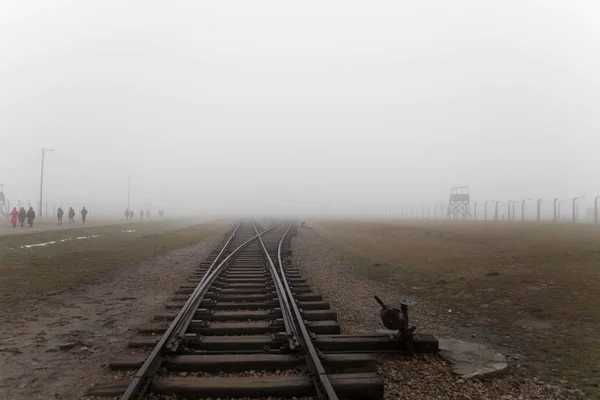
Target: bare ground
{"x": 55, "y": 347}
{"x": 424, "y": 377}
{"x": 534, "y": 284}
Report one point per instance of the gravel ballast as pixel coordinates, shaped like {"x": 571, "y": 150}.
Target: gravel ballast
{"x": 422, "y": 377}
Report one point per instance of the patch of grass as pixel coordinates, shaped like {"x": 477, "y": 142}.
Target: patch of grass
{"x": 537, "y": 282}
{"x": 27, "y": 272}
{"x": 11, "y": 249}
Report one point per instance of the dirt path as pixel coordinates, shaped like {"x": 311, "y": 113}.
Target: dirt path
{"x": 55, "y": 347}
{"x": 48, "y": 224}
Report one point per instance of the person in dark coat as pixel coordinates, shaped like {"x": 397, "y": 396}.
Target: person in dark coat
{"x": 147, "y": 214}
{"x": 30, "y": 216}
{"x": 83, "y": 214}
{"x": 22, "y": 216}
{"x": 59, "y": 215}
{"x": 127, "y": 214}
{"x": 131, "y": 215}
{"x": 71, "y": 216}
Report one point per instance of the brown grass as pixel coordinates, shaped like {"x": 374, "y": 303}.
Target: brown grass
{"x": 537, "y": 282}
{"x": 26, "y": 273}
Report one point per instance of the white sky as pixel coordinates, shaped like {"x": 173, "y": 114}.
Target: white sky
{"x": 300, "y": 106}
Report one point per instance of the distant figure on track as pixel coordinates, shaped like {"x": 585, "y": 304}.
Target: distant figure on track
{"x": 14, "y": 215}
{"x": 71, "y": 215}
{"x": 131, "y": 215}
{"x": 83, "y": 214}
{"x": 30, "y": 217}
{"x": 142, "y": 214}
{"x": 59, "y": 215}
{"x": 22, "y": 216}
{"x": 127, "y": 214}
{"x": 160, "y": 213}
{"x": 147, "y": 214}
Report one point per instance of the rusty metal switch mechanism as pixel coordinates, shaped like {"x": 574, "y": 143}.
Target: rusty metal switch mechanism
{"x": 395, "y": 317}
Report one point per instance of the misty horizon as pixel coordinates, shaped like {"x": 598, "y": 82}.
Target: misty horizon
{"x": 328, "y": 108}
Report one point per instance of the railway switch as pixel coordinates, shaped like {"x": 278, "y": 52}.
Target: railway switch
{"x": 395, "y": 317}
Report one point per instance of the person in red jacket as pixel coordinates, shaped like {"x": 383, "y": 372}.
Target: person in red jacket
{"x": 14, "y": 214}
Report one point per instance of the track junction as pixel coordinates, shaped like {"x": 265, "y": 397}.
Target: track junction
{"x": 247, "y": 309}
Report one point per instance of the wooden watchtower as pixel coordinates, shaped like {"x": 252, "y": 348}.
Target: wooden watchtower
{"x": 459, "y": 206}
{"x": 3, "y": 206}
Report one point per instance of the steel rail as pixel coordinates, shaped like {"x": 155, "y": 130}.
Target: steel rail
{"x": 290, "y": 329}
{"x": 317, "y": 371}
{"x": 190, "y": 307}
{"x": 214, "y": 263}
{"x": 143, "y": 377}
{"x": 322, "y": 383}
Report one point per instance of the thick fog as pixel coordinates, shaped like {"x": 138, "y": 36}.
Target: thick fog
{"x": 306, "y": 107}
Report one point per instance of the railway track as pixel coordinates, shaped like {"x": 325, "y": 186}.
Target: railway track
{"x": 248, "y": 325}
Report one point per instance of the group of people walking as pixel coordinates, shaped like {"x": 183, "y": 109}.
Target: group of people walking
{"x": 129, "y": 214}
{"x": 71, "y": 215}
{"x": 22, "y": 215}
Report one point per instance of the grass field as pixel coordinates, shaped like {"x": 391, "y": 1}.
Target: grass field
{"x": 27, "y": 272}
{"x": 538, "y": 283}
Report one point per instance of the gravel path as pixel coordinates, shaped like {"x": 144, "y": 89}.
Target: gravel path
{"x": 423, "y": 377}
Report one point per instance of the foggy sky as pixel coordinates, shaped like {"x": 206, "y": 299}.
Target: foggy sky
{"x": 304, "y": 106}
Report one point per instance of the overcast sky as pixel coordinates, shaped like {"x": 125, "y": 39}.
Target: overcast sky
{"x": 307, "y": 106}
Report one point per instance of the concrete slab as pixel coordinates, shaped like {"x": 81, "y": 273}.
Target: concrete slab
{"x": 471, "y": 359}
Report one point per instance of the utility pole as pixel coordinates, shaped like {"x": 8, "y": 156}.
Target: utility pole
{"x": 42, "y": 179}
{"x": 558, "y": 212}
{"x": 496, "y": 212}
{"x": 576, "y": 208}
{"x": 485, "y": 209}
{"x": 523, "y": 209}
{"x": 128, "y": 191}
